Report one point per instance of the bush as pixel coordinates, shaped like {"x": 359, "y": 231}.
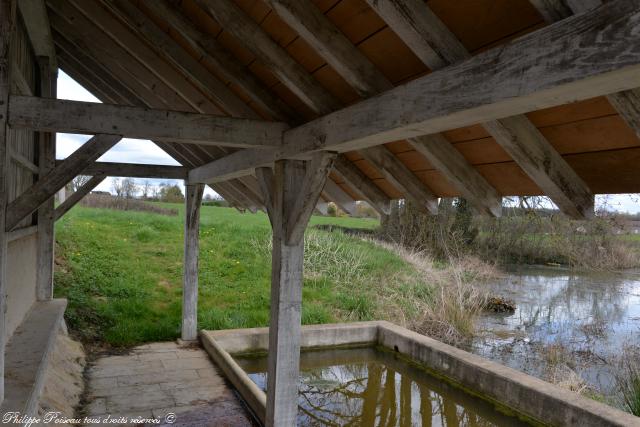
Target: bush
{"x": 122, "y": 204}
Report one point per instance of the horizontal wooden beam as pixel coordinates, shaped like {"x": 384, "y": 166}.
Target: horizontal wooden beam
{"x": 134, "y": 170}
{"x": 54, "y": 115}
{"x": 514, "y": 78}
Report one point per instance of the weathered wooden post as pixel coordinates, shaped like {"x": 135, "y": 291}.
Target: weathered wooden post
{"x": 7, "y": 17}
{"x": 193, "y": 199}
{"x": 47, "y": 161}
{"x": 290, "y": 194}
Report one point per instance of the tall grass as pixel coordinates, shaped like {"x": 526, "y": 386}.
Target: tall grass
{"x": 628, "y": 381}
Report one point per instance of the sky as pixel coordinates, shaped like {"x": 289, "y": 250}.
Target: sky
{"x": 144, "y": 151}
{"x": 126, "y": 151}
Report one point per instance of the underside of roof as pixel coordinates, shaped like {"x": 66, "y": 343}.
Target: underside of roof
{"x": 243, "y": 58}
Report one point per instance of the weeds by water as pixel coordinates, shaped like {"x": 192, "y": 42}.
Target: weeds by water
{"x": 628, "y": 381}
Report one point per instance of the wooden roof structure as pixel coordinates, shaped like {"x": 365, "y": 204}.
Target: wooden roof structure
{"x": 310, "y": 66}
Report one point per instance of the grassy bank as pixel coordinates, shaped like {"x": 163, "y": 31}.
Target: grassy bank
{"x": 122, "y": 273}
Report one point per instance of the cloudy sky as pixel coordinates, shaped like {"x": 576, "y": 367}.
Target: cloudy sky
{"x": 126, "y": 151}
{"x": 144, "y": 151}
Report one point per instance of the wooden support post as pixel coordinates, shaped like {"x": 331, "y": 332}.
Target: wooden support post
{"x": 290, "y": 195}
{"x": 47, "y": 161}
{"x": 193, "y": 200}
{"x": 7, "y": 17}
{"x": 74, "y": 198}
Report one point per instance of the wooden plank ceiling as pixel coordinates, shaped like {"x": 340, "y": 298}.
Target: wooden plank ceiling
{"x": 173, "y": 54}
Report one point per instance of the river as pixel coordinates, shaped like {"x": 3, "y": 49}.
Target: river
{"x": 575, "y": 320}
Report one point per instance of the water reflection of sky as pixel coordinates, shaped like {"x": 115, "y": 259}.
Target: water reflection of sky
{"x": 368, "y": 387}
{"x": 594, "y": 316}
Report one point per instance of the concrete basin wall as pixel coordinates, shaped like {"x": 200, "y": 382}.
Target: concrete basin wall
{"x": 534, "y": 398}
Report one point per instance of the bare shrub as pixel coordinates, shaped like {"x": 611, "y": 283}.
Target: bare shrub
{"x": 122, "y": 204}
{"x": 455, "y": 296}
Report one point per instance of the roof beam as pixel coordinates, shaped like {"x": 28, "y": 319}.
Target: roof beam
{"x": 54, "y": 115}
{"x": 134, "y": 170}
{"x": 458, "y": 171}
{"x": 182, "y": 60}
{"x": 419, "y": 26}
{"x": 401, "y": 177}
{"x": 371, "y": 192}
{"x": 47, "y": 186}
{"x": 110, "y": 82}
{"x": 210, "y": 49}
{"x": 289, "y": 72}
{"x": 36, "y": 21}
{"x": 212, "y": 52}
{"x": 511, "y": 79}
{"x": 626, "y": 103}
{"x": 344, "y": 201}
{"x": 356, "y": 69}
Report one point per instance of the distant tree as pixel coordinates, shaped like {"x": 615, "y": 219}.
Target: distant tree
{"x": 129, "y": 188}
{"x": 117, "y": 187}
{"x": 146, "y": 189}
{"x": 171, "y": 194}
{"x": 78, "y": 182}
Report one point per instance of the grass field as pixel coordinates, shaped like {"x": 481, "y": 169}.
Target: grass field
{"x": 122, "y": 271}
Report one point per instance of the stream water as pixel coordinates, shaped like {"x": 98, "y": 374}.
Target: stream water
{"x": 582, "y": 321}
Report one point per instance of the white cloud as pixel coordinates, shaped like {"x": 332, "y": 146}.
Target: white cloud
{"x": 126, "y": 151}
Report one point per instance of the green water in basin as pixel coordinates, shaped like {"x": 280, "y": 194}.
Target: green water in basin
{"x": 372, "y": 387}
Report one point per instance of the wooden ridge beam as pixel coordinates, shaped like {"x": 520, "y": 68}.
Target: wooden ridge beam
{"x": 626, "y": 103}
{"x": 75, "y": 198}
{"x": 51, "y": 183}
{"x": 54, "y": 115}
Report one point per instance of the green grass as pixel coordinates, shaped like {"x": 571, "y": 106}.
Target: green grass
{"x": 122, "y": 271}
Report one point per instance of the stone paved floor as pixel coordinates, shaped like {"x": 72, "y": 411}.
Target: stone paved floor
{"x": 164, "y": 378}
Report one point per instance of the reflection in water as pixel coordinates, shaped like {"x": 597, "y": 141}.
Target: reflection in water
{"x": 592, "y": 316}
{"x": 367, "y": 387}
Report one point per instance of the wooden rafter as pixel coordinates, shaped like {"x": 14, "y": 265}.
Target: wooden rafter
{"x": 626, "y": 103}
{"x": 78, "y": 195}
{"x": 36, "y": 21}
{"x": 55, "y": 115}
{"x": 125, "y": 85}
{"x": 496, "y": 83}
{"x": 355, "y": 68}
{"x": 209, "y": 48}
{"x": 426, "y": 35}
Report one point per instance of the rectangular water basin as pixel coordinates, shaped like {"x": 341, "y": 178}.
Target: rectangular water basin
{"x": 416, "y": 379}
